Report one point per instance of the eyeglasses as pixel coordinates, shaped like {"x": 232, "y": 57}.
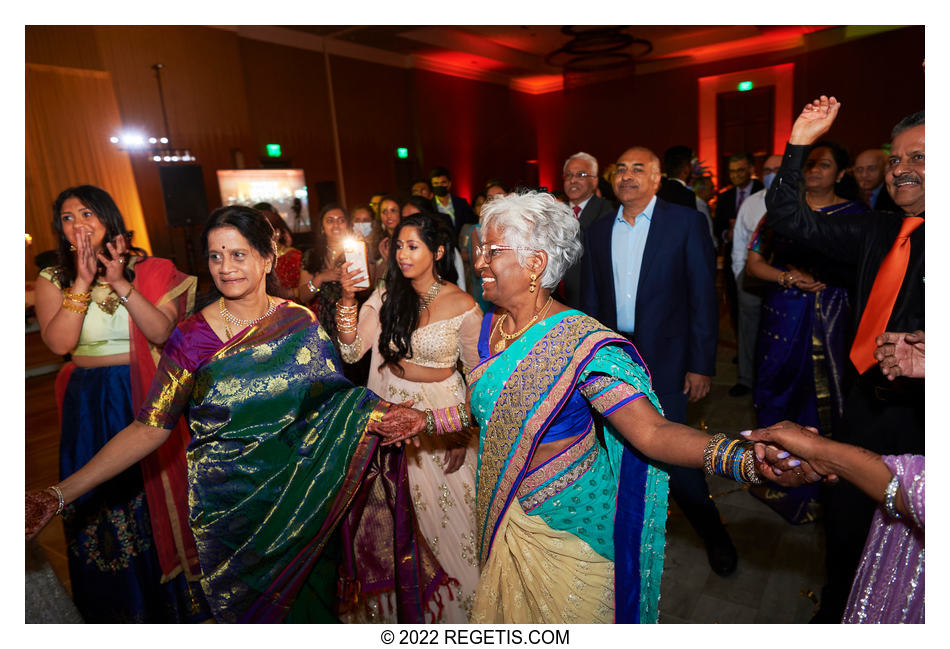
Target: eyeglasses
{"x": 580, "y": 175}
{"x": 490, "y": 250}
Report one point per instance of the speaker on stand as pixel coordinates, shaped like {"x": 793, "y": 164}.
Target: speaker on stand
{"x": 186, "y": 204}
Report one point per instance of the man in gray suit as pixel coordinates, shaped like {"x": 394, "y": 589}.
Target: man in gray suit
{"x": 580, "y": 182}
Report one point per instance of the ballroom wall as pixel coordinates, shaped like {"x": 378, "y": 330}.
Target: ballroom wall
{"x": 227, "y": 95}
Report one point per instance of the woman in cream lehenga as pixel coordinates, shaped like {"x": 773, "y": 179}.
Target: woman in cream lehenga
{"x": 570, "y": 525}
{"x": 418, "y": 327}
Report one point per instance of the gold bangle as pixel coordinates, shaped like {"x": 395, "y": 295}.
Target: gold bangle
{"x": 69, "y": 307}
{"x": 79, "y": 298}
{"x": 125, "y": 300}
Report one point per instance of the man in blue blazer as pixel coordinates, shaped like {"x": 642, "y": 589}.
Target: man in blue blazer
{"x": 648, "y": 272}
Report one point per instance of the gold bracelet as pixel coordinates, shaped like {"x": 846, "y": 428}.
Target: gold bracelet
{"x": 80, "y": 298}
{"x": 69, "y": 307}
{"x": 125, "y": 300}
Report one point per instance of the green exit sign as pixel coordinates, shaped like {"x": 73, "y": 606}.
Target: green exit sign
{"x": 402, "y": 153}
{"x": 273, "y": 150}
{"x": 745, "y": 85}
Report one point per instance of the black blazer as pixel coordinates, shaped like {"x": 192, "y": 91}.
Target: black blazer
{"x": 674, "y": 192}
{"x": 463, "y": 213}
{"x": 596, "y": 207}
{"x": 677, "y": 320}
{"x": 885, "y": 203}
{"x": 726, "y": 207}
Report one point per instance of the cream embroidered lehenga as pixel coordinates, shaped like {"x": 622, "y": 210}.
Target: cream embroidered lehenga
{"x": 444, "y": 503}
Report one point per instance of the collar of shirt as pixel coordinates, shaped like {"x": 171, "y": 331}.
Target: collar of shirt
{"x": 647, "y": 213}
{"x": 582, "y": 204}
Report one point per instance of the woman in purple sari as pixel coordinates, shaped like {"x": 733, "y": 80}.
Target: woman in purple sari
{"x": 284, "y": 472}
{"x": 801, "y": 353}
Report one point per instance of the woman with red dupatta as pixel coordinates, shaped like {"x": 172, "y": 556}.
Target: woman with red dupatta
{"x": 132, "y": 557}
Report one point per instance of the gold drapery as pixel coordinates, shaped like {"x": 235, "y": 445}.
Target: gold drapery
{"x": 70, "y": 115}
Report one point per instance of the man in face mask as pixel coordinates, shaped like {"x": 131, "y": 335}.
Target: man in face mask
{"x": 749, "y": 304}
{"x": 456, "y": 208}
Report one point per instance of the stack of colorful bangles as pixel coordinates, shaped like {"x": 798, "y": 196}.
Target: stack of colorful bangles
{"x": 447, "y": 420}
{"x": 730, "y": 458}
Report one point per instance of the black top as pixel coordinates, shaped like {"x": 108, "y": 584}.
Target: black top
{"x": 675, "y": 192}
{"x": 861, "y": 239}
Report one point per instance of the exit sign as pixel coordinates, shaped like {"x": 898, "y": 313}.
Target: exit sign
{"x": 402, "y": 153}
{"x": 745, "y": 85}
{"x": 273, "y": 150}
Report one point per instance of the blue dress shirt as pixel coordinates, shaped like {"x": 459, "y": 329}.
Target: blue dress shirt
{"x": 626, "y": 248}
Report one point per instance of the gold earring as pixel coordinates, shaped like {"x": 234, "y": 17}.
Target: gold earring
{"x": 533, "y": 286}
{"x": 72, "y": 248}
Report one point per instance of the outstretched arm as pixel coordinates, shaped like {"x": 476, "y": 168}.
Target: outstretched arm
{"x": 130, "y": 445}
{"x": 857, "y": 465}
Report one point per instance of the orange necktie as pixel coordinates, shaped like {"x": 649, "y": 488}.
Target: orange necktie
{"x": 887, "y": 284}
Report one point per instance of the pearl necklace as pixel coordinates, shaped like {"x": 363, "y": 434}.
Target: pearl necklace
{"x": 230, "y": 317}
{"x": 506, "y": 338}
{"x": 426, "y": 300}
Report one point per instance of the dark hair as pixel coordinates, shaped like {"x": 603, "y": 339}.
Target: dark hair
{"x": 494, "y": 182}
{"x": 101, "y": 203}
{"x": 276, "y": 220}
{"x": 420, "y": 203}
{"x": 399, "y": 315}
{"x": 439, "y": 171}
{"x": 677, "y": 157}
{"x": 908, "y": 122}
{"x": 838, "y": 152}
{"x": 475, "y": 198}
{"x": 739, "y": 157}
{"x": 320, "y": 244}
{"x": 253, "y": 226}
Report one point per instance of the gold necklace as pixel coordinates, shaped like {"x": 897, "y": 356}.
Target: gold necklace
{"x": 426, "y": 300}
{"x": 230, "y": 317}
{"x": 506, "y": 338}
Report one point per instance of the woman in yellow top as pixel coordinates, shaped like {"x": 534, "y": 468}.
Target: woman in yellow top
{"x": 108, "y": 305}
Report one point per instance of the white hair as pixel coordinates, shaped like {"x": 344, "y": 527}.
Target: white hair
{"x": 582, "y": 156}
{"x": 537, "y": 221}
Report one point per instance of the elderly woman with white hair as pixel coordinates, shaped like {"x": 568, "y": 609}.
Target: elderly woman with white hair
{"x": 569, "y": 528}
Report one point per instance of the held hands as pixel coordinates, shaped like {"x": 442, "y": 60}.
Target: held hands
{"x": 401, "y": 423}
{"x": 805, "y": 282}
{"x": 814, "y": 121}
{"x": 901, "y": 354}
{"x": 790, "y": 454}
{"x": 40, "y": 509}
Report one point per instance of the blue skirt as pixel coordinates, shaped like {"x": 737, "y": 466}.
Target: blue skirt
{"x": 113, "y": 566}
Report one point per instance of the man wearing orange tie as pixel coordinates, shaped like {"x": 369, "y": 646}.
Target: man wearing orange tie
{"x": 887, "y": 250}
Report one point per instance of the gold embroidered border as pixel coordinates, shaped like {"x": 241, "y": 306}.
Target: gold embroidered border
{"x": 612, "y": 397}
{"x": 556, "y": 465}
{"x": 572, "y": 338}
{"x": 557, "y": 485}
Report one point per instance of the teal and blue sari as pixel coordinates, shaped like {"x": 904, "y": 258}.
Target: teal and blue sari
{"x": 603, "y": 492}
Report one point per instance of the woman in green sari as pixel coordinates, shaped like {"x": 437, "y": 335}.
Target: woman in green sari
{"x": 570, "y": 527}
{"x": 282, "y": 456}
